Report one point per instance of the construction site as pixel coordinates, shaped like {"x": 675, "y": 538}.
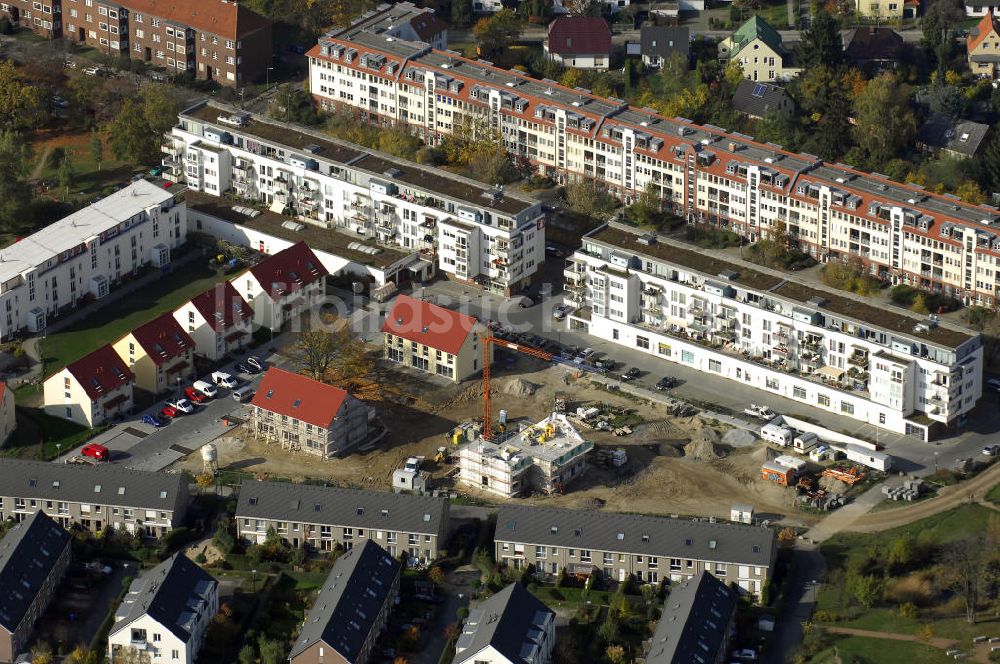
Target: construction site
{"x": 557, "y": 438}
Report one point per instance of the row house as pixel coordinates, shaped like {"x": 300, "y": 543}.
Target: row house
{"x": 764, "y": 330}
{"x": 328, "y": 517}
{"x": 44, "y": 17}
{"x": 283, "y": 286}
{"x": 703, "y": 173}
{"x": 91, "y": 391}
{"x": 351, "y": 610}
{"x": 510, "y": 627}
{"x": 649, "y": 549}
{"x": 80, "y": 258}
{"x": 697, "y": 624}
{"x": 34, "y": 555}
{"x": 983, "y": 47}
{"x": 165, "y": 615}
{"x": 474, "y": 234}
{"x": 305, "y": 414}
{"x": 159, "y": 353}
{"x": 431, "y": 338}
{"x": 219, "y": 321}
{"x": 93, "y": 497}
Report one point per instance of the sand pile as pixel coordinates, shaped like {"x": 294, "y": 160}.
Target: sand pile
{"x": 738, "y": 438}
{"x": 518, "y": 387}
{"x": 704, "y": 445}
{"x": 833, "y": 485}
{"x": 764, "y": 453}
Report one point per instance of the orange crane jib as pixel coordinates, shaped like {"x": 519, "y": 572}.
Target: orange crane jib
{"x": 509, "y": 345}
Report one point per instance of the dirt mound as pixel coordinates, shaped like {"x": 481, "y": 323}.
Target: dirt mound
{"x": 670, "y": 450}
{"x": 518, "y": 387}
{"x": 702, "y": 450}
{"x": 738, "y": 438}
{"x": 764, "y": 453}
{"x": 833, "y": 485}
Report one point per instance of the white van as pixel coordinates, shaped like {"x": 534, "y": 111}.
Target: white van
{"x": 223, "y": 379}
{"x": 805, "y": 442}
{"x": 207, "y": 389}
{"x": 777, "y": 435}
{"x": 243, "y": 394}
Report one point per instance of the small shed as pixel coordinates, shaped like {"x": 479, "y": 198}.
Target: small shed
{"x": 772, "y": 472}
{"x": 741, "y": 513}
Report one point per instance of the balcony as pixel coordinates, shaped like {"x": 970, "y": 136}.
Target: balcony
{"x": 570, "y": 274}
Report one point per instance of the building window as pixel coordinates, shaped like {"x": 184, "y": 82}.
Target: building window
{"x": 715, "y": 365}
{"x": 642, "y": 342}
{"x": 823, "y": 400}
{"x": 846, "y": 407}
{"x": 799, "y": 392}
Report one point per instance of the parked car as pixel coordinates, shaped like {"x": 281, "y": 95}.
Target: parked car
{"x": 991, "y": 450}
{"x": 631, "y": 374}
{"x": 169, "y": 412}
{"x": 746, "y": 654}
{"x": 242, "y": 394}
{"x": 994, "y": 383}
{"x": 255, "y": 362}
{"x": 223, "y": 379}
{"x": 244, "y": 369}
{"x": 93, "y": 71}
{"x": 69, "y": 64}
{"x": 205, "y": 388}
{"x": 194, "y": 395}
{"x": 152, "y": 420}
{"x": 183, "y": 405}
{"x": 59, "y": 102}
{"x": 560, "y": 311}
{"x": 96, "y": 451}
{"x": 605, "y": 364}
{"x": 666, "y": 383}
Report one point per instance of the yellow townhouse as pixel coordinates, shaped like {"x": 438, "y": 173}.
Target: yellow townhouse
{"x": 159, "y": 353}
{"x": 91, "y": 391}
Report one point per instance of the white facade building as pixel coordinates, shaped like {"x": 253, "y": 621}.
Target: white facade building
{"x": 474, "y": 234}
{"x": 819, "y": 348}
{"x": 165, "y": 614}
{"x": 83, "y": 256}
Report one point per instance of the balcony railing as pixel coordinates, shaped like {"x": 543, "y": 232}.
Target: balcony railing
{"x": 858, "y": 359}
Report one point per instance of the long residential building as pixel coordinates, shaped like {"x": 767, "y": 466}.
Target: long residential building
{"x": 765, "y": 330}
{"x": 34, "y": 555}
{"x": 93, "y": 497}
{"x": 80, "y": 258}
{"x": 325, "y": 517}
{"x": 215, "y": 40}
{"x": 649, "y": 548}
{"x": 475, "y": 234}
{"x": 701, "y": 172}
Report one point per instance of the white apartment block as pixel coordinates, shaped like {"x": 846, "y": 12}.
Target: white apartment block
{"x": 473, "y": 234}
{"x": 81, "y": 257}
{"x": 703, "y": 173}
{"x": 543, "y": 457}
{"x": 830, "y": 351}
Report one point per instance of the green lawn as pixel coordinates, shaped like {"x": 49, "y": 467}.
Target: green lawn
{"x": 860, "y": 650}
{"x": 993, "y": 495}
{"x": 110, "y": 321}
{"x": 44, "y": 437}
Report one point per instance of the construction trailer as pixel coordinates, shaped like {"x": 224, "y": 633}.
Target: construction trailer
{"x": 774, "y": 472}
{"x": 866, "y": 457}
{"x": 805, "y": 441}
{"x": 795, "y": 463}
{"x": 777, "y": 434}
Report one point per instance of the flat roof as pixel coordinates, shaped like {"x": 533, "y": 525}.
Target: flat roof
{"x": 320, "y": 239}
{"x": 533, "y": 442}
{"x": 891, "y": 319}
{"x": 377, "y": 164}
{"x": 79, "y": 227}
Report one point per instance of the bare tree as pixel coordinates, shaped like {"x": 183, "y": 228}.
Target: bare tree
{"x": 965, "y": 563}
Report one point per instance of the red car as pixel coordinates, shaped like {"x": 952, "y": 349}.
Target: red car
{"x": 169, "y": 411}
{"x": 194, "y": 395}
{"x": 96, "y": 452}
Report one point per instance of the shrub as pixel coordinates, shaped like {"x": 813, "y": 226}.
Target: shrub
{"x": 908, "y": 610}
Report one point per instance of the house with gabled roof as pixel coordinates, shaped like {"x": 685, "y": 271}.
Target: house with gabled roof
{"x": 431, "y": 338}
{"x": 160, "y": 353}
{"x": 92, "y": 390}
{"x": 166, "y": 614}
{"x": 351, "y": 610}
{"x": 219, "y": 320}
{"x": 582, "y": 42}
{"x": 983, "y": 46}
{"x": 511, "y": 627}
{"x": 758, "y": 100}
{"x": 304, "y": 414}
{"x": 34, "y": 555}
{"x": 758, "y": 49}
{"x": 283, "y": 286}
{"x": 697, "y": 624}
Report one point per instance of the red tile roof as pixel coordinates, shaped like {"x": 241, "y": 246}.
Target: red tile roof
{"x": 218, "y": 17}
{"x": 298, "y": 396}
{"x": 163, "y": 338}
{"x": 288, "y": 270}
{"x": 984, "y": 28}
{"x": 222, "y": 306}
{"x": 579, "y": 35}
{"x": 101, "y": 372}
{"x": 428, "y": 324}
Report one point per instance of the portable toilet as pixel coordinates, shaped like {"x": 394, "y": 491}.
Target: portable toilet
{"x": 502, "y": 419}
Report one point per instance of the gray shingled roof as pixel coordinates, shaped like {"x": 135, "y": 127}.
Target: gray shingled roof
{"x": 306, "y": 503}
{"x": 175, "y": 594}
{"x": 940, "y": 131}
{"x": 759, "y": 99}
{"x": 630, "y": 533}
{"x": 343, "y": 614}
{"x": 28, "y": 553}
{"x": 665, "y": 40}
{"x": 695, "y": 617}
{"x": 511, "y": 621}
{"x": 102, "y": 485}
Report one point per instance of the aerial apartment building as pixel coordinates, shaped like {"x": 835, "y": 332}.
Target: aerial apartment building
{"x": 216, "y": 40}
{"x": 80, "y": 258}
{"x": 650, "y": 548}
{"x": 474, "y": 234}
{"x": 757, "y": 327}
{"x": 93, "y": 497}
{"x": 704, "y": 173}
{"x": 326, "y": 517}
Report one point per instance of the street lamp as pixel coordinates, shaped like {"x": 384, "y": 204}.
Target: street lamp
{"x": 935, "y": 461}
{"x": 254, "y": 573}
{"x": 267, "y": 84}
{"x": 58, "y": 449}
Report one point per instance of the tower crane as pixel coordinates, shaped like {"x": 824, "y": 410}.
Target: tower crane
{"x": 509, "y": 345}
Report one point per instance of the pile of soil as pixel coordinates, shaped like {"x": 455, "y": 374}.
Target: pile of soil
{"x": 518, "y": 387}
{"x": 670, "y": 450}
{"x": 764, "y": 453}
{"x": 833, "y": 485}
{"x": 704, "y": 446}
{"x": 738, "y": 438}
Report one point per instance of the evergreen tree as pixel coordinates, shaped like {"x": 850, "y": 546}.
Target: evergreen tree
{"x": 821, "y": 43}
